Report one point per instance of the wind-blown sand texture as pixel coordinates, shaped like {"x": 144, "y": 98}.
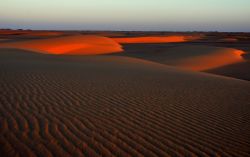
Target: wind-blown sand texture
{"x": 77, "y": 44}
{"x": 54, "y": 105}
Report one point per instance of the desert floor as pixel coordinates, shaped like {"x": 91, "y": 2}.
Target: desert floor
{"x": 124, "y": 94}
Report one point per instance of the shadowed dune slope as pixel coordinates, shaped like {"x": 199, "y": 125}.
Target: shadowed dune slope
{"x": 117, "y": 106}
{"x": 237, "y": 70}
{"x": 73, "y": 45}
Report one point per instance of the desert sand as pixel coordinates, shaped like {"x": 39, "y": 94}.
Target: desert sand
{"x": 30, "y": 33}
{"x": 156, "y": 39}
{"x": 152, "y": 39}
{"x": 77, "y": 44}
{"x": 196, "y": 58}
{"x": 130, "y": 103}
{"x": 202, "y": 52}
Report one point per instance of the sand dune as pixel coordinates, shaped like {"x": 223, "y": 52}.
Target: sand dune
{"x": 237, "y": 70}
{"x": 76, "y": 45}
{"x": 208, "y": 57}
{"x": 156, "y": 39}
{"x": 197, "y": 58}
{"x": 117, "y": 106}
{"x": 152, "y": 39}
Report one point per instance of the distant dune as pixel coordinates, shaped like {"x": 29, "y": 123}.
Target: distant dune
{"x": 55, "y": 105}
{"x": 156, "y": 39}
{"x": 30, "y": 33}
{"x": 73, "y": 45}
{"x": 228, "y": 40}
{"x": 152, "y": 39}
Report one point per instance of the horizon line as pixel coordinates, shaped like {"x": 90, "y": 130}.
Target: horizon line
{"x": 116, "y": 30}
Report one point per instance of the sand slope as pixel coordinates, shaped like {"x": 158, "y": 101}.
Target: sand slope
{"x": 190, "y": 57}
{"x": 76, "y": 45}
{"x": 150, "y": 39}
{"x": 202, "y": 58}
{"x": 117, "y": 106}
{"x": 238, "y": 70}
{"x": 156, "y": 39}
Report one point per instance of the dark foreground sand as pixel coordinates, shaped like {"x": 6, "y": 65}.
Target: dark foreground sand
{"x": 117, "y": 106}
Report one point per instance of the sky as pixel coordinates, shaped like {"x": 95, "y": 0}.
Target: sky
{"x": 142, "y": 15}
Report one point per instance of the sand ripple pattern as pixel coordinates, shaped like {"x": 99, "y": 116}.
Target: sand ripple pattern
{"x": 97, "y": 106}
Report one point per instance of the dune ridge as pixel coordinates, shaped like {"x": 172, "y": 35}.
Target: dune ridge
{"x": 217, "y": 57}
{"x": 71, "y": 45}
{"x": 156, "y": 39}
{"x": 117, "y": 106}
{"x": 151, "y": 39}
{"x": 30, "y": 33}
{"x": 190, "y": 57}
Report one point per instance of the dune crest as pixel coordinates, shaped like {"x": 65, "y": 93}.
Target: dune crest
{"x": 163, "y": 39}
{"x": 73, "y": 45}
{"x": 157, "y": 39}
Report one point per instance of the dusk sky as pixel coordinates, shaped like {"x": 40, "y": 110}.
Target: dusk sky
{"x": 144, "y": 15}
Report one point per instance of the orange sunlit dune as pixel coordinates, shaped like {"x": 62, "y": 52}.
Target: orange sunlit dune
{"x": 209, "y": 57}
{"x": 154, "y": 39}
{"x": 78, "y": 44}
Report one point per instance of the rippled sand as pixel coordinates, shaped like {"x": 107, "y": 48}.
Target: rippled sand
{"x": 117, "y": 106}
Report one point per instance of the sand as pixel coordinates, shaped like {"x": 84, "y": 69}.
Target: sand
{"x": 228, "y": 40}
{"x": 146, "y": 95}
{"x": 237, "y": 70}
{"x": 189, "y": 57}
{"x": 201, "y": 58}
{"x": 30, "y": 33}
{"x": 156, "y": 39}
{"x": 151, "y": 39}
{"x": 55, "y": 105}
{"x": 72, "y": 45}
{"x": 3, "y": 39}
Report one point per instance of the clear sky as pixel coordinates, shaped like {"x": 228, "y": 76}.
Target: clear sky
{"x": 162, "y": 15}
